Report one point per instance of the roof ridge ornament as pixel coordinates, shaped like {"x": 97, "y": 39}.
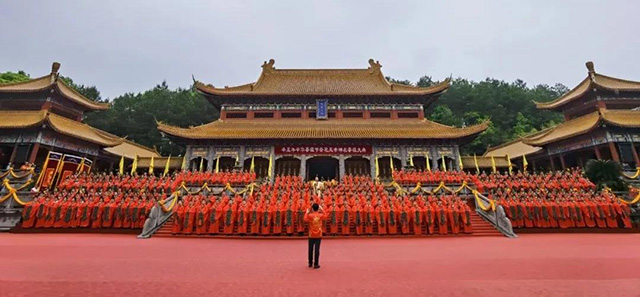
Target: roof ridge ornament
{"x": 268, "y": 67}
{"x": 592, "y": 70}
{"x": 374, "y": 66}
{"x": 55, "y": 67}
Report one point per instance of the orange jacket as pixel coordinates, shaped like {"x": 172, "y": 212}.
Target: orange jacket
{"x": 315, "y": 223}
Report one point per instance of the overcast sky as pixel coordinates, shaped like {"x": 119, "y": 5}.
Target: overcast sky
{"x": 130, "y": 46}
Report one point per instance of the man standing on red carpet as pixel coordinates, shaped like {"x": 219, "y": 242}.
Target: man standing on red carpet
{"x": 315, "y": 219}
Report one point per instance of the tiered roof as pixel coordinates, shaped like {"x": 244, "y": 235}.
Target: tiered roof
{"x": 52, "y": 82}
{"x": 319, "y": 82}
{"x": 313, "y": 129}
{"x": 593, "y": 81}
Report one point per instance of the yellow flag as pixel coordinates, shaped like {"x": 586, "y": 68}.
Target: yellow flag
{"x": 151, "y": 166}
{"x": 460, "y": 162}
{"x": 184, "y": 163}
{"x": 509, "y": 163}
{"x": 377, "y": 168}
{"x": 475, "y": 160}
{"x": 391, "y": 163}
{"x": 426, "y": 156}
{"x": 81, "y": 166}
{"x": 411, "y": 160}
{"x": 121, "y": 169}
{"x": 270, "y": 165}
{"x": 253, "y": 164}
{"x": 218, "y": 165}
{"x": 444, "y": 164}
{"x": 201, "y": 163}
{"x": 524, "y": 163}
{"x": 493, "y": 164}
{"x": 134, "y": 165}
{"x": 166, "y": 167}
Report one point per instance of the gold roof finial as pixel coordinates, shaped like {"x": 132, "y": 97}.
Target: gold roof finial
{"x": 590, "y": 67}
{"x": 268, "y": 66}
{"x": 55, "y": 67}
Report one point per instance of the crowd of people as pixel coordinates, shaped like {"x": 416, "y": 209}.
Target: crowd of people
{"x": 572, "y": 179}
{"x": 93, "y": 209}
{"x": 355, "y": 206}
{"x": 413, "y": 177}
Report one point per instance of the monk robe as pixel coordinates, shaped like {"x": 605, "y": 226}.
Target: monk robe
{"x": 188, "y": 226}
{"x": 84, "y": 212}
{"x": 454, "y": 217}
{"x": 201, "y": 219}
{"x": 600, "y": 217}
{"x": 96, "y": 214}
{"x": 77, "y": 214}
{"x": 178, "y": 219}
{"x": 29, "y": 215}
{"x": 300, "y": 218}
{"x": 610, "y": 215}
{"x": 528, "y": 218}
{"x": 147, "y": 210}
{"x": 229, "y": 218}
{"x": 50, "y": 214}
{"x": 127, "y": 214}
{"x": 416, "y": 220}
{"x": 41, "y": 214}
{"x": 135, "y": 213}
{"x": 441, "y": 216}
{"x": 107, "y": 214}
{"x": 624, "y": 213}
{"x": 254, "y": 218}
{"x": 381, "y": 219}
{"x": 118, "y": 215}
{"x": 404, "y": 220}
{"x": 579, "y": 217}
{"x": 369, "y": 214}
{"x": 266, "y": 220}
{"x": 356, "y": 218}
{"x": 393, "y": 220}
{"x": 333, "y": 220}
{"x": 466, "y": 221}
{"x": 570, "y": 211}
{"x": 588, "y": 214}
{"x": 289, "y": 219}
{"x": 346, "y": 220}
{"x": 242, "y": 220}
{"x": 58, "y": 218}
{"x": 430, "y": 218}
{"x": 277, "y": 219}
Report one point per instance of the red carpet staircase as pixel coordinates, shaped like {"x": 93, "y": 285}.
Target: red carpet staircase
{"x": 482, "y": 227}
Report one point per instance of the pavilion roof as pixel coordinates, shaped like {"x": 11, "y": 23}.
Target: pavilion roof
{"x": 160, "y": 162}
{"x": 53, "y": 82}
{"x": 354, "y": 82}
{"x": 130, "y": 150}
{"x": 315, "y": 129}
{"x": 468, "y": 162}
{"x": 14, "y": 119}
{"x": 592, "y": 81}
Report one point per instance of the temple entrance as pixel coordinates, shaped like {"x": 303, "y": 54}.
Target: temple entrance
{"x": 357, "y": 166}
{"x": 287, "y": 166}
{"x": 260, "y": 166}
{"x": 322, "y": 167}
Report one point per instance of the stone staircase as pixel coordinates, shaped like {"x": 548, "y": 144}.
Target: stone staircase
{"x": 482, "y": 227}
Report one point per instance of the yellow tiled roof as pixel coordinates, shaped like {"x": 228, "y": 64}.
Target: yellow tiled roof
{"x": 314, "y": 129}
{"x": 566, "y": 130}
{"x": 513, "y": 149}
{"x": 52, "y": 82}
{"x": 160, "y": 162}
{"x": 368, "y": 81}
{"x": 10, "y": 119}
{"x": 622, "y": 118}
{"x": 593, "y": 80}
{"x": 484, "y": 162}
{"x": 130, "y": 149}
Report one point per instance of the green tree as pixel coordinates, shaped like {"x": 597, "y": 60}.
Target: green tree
{"x": 13, "y": 77}
{"x": 443, "y": 115}
{"x": 90, "y": 92}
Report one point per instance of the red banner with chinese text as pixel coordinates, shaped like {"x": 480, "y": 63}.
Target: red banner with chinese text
{"x": 323, "y": 150}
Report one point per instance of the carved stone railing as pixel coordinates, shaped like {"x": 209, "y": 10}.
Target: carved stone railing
{"x": 10, "y": 209}
{"x": 158, "y": 216}
{"x": 494, "y": 215}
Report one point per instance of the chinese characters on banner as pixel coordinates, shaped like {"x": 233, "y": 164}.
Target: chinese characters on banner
{"x": 321, "y": 110}
{"x": 323, "y": 150}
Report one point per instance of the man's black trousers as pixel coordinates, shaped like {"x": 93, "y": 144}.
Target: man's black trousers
{"x": 314, "y": 251}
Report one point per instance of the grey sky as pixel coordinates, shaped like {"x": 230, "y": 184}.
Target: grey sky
{"x": 130, "y": 46}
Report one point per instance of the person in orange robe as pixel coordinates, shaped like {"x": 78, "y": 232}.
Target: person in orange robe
{"x": 50, "y": 217}
{"x": 190, "y": 217}
{"x": 59, "y": 209}
{"x": 356, "y": 218}
{"x": 368, "y": 215}
{"x": 333, "y": 218}
{"x": 528, "y": 214}
{"x": 242, "y": 218}
{"x": 29, "y": 213}
{"x": 552, "y": 212}
{"x": 392, "y": 227}
{"x": 118, "y": 214}
{"x": 277, "y": 217}
{"x": 201, "y": 218}
{"x": 415, "y": 218}
{"x": 577, "y": 212}
{"x": 96, "y": 213}
{"x": 624, "y": 213}
{"x": 600, "y": 215}
{"x": 404, "y": 219}
{"x": 382, "y": 214}
{"x": 466, "y": 219}
{"x": 254, "y": 218}
{"x": 266, "y": 219}
{"x": 127, "y": 212}
{"x": 41, "y": 212}
{"x": 441, "y": 216}
{"x": 588, "y": 214}
{"x": 135, "y": 212}
{"x": 346, "y": 219}
{"x": 178, "y": 218}
{"x": 228, "y": 219}
{"x": 107, "y": 213}
{"x": 300, "y": 211}
{"x": 289, "y": 218}
{"x": 430, "y": 217}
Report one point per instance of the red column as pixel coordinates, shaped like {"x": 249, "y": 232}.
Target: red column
{"x": 598, "y": 156}
{"x": 614, "y": 152}
{"x": 13, "y": 154}
{"x": 564, "y": 165}
{"x": 553, "y": 166}
{"x": 34, "y": 152}
{"x": 251, "y": 114}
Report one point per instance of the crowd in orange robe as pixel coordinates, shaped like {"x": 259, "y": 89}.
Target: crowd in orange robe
{"x": 555, "y": 200}
{"x": 94, "y": 209}
{"x": 355, "y": 206}
{"x": 433, "y": 177}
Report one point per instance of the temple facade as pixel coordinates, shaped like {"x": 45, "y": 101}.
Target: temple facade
{"x": 322, "y": 123}
{"x": 41, "y": 123}
{"x": 602, "y": 121}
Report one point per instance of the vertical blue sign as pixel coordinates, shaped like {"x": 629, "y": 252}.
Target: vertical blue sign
{"x": 321, "y": 109}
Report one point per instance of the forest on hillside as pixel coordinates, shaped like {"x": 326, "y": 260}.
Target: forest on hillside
{"x": 508, "y": 105}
